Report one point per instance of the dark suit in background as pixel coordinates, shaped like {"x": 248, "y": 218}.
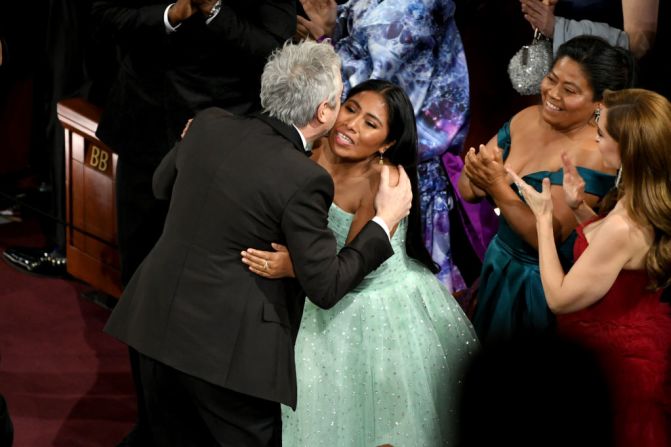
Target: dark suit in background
{"x": 164, "y": 79}
{"x": 54, "y": 49}
{"x": 196, "y": 313}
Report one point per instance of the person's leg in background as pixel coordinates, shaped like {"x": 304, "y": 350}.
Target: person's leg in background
{"x": 6, "y": 427}
{"x": 140, "y": 218}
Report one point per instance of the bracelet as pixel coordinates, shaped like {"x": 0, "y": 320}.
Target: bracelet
{"x": 214, "y": 11}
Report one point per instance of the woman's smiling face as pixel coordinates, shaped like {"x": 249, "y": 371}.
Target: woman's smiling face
{"x": 567, "y": 95}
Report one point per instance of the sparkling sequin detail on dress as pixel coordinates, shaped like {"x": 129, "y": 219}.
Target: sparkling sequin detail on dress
{"x": 384, "y": 364}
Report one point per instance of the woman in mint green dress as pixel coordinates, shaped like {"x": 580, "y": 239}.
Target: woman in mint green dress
{"x": 511, "y": 301}
{"x": 383, "y": 366}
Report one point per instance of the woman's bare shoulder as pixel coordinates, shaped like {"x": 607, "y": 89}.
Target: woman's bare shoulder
{"x": 625, "y": 231}
{"x": 525, "y": 119}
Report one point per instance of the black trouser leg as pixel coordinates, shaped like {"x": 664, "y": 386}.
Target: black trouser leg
{"x": 185, "y": 411}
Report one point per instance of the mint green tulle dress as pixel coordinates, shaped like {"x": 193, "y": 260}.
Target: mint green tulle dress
{"x": 384, "y": 365}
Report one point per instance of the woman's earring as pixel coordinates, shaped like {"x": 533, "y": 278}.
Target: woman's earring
{"x": 597, "y": 114}
{"x": 618, "y": 178}
{"x": 381, "y": 158}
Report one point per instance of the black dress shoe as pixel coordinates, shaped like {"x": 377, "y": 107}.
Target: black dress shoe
{"x": 37, "y": 260}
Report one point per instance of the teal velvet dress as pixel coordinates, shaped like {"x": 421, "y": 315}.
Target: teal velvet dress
{"x": 384, "y": 365}
{"x": 511, "y": 300}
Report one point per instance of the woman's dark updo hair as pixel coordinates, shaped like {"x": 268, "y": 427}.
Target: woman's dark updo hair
{"x": 403, "y": 151}
{"x": 605, "y": 66}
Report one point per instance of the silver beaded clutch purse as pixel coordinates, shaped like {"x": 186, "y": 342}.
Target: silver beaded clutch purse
{"x": 530, "y": 64}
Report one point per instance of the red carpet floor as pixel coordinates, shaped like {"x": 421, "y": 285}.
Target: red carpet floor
{"x": 67, "y": 384}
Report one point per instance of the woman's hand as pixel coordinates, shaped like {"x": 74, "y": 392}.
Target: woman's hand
{"x": 540, "y": 203}
{"x": 269, "y": 264}
{"x": 573, "y": 183}
{"x": 485, "y": 169}
{"x": 321, "y": 18}
{"x": 541, "y": 15}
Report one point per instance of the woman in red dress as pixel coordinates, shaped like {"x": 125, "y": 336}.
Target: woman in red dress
{"x": 609, "y": 300}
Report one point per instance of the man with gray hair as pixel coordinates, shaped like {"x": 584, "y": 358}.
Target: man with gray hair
{"x": 216, "y": 341}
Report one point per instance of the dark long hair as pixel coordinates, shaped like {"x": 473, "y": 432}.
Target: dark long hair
{"x": 403, "y": 132}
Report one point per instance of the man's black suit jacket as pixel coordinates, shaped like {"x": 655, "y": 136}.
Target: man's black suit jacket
{"x": 165, "y": 78}
{"x": 237, "y": 183}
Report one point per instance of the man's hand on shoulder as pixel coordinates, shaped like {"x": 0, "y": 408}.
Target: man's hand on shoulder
{"x": 393, "y": 202}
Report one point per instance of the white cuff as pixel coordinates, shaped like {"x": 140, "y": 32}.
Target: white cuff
{"x": 214, "y": 12}
{"x": 168, "y": 27}
{"x": 378, "y": 220}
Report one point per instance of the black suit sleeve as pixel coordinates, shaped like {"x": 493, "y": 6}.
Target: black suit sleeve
{"x": 166, "y": 172}
{"x": 258, "y": 32}
{"x": 127, "y": 22}
{"x": 326, "y": 275}
{"x": 165, "y": 175}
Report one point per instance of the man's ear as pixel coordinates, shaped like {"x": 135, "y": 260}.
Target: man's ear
{"x": 322, "y": 112}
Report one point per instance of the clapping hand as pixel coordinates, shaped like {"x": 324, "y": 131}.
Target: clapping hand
{"x": 539, "y": 202}
{"x": 183, "y": 9}
{"x": 485, "y": 168}
{"x": 321, "y": 19}
{"x": 180, "y": 11}
{"x": 573, "y": 184}
{"x": 204, "y": 6}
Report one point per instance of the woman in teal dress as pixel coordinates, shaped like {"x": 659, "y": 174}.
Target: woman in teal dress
{"x": 511, "y": 301}
{"x": 384, "y": 365}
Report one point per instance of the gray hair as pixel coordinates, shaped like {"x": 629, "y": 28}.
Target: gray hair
{"x": 297, "y": 78}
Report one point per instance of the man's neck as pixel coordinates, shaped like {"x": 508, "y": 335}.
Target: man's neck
{"x": 306, "y": 143}
{"x": 313, "y": 131}
{"x": 308, "y": 134}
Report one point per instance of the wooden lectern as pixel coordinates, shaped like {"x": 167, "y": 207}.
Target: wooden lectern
{"x": 90, "y": 169}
